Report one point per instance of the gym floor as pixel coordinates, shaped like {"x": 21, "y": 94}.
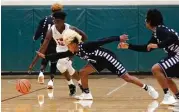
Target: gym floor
{"x": 111, "y": 94}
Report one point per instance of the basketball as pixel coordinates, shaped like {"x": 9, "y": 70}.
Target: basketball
{"x": 23, "y": 86}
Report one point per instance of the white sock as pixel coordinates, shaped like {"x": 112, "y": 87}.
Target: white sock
{"x": 41, "y": 74}
{"x": 144, "y": 86}
{"x": 79, "y": 82}
{"x": 70, "y": 82}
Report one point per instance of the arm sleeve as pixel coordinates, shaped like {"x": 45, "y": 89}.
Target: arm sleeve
{"x": 169, "y": 38}
{"x": 142, "y": 48}
{"x": 59, "y": 55}
{"x": 39, "y": 30}
{"x": 102, "y": 41}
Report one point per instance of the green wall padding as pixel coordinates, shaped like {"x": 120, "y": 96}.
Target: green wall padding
{"x": 20, "y": 22}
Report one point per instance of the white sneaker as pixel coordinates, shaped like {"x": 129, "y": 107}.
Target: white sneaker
{"x": 174, "y": 109}
{"x": 41, "y": 78}
{"x": 168, "y": 99}
{"x": 85, "y": 103}
{"x": 50, "y": 93}
{"x": 152, "y": 92}
{"x": 153, "y": 106}
{"x": 50, "y": 85}
{"x": 84, "y": 96}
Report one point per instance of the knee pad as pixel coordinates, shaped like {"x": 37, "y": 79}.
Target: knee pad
{"x": 61, "y": 66}
{"x": 70, "y": 69}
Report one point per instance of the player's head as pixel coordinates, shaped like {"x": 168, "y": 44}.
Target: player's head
{"x": 72, "y": 39}
{"x": 154, "y": 18}
{"x": 59, "y": 19}
{"x": 56, "y": 7}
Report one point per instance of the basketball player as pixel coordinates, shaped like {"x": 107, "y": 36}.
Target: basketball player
{"x": 99, "y": 58}
{"x": 168, "y": 39}
{"x": 42, "y": 29}
{"x": 64, "y": 65}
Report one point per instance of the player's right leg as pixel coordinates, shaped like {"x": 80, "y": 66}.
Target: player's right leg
{"x": 173, "y": 87}
{"x": 116, "y": 67}
{"x": 52, "y": 74}
{"x": 42, "y": 69}
{"x": 62, "y": 67}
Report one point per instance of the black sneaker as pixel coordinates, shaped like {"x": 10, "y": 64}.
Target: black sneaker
{"x": 72, "y": 89}
{"x": 80, "y": 86}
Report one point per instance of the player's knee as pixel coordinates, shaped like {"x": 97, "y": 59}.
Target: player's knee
{"x": 155, "y": 68}
{"x": 83, "y": 73}
{"x": 127, "y": 78}
{"x": 61, "y": 68}
{"x": 71, "y": 71}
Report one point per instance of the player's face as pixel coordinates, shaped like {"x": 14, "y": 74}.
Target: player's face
{"x": 58, "y": 23}
{"x": 147, "y": 24}
{"x": 73, "y": 47}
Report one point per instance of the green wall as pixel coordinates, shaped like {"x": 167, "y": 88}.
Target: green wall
{"x": 19, "y": 24}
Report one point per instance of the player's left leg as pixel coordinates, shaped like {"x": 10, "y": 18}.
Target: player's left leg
{"x": 84, "y": 72}
{"x": 75, "y": 74}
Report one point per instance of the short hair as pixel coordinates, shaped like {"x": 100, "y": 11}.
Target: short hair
{"x": 59, "y": 15}
{"x": 56, "y": 7}
{"x": 71, "y": 36}
{"x": 155, "y": 17}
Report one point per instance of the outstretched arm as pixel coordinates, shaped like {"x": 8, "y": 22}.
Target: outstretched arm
{"x": 42, "y": 49}
{"x": 139, "y": 48}
{"x": 55, "y": 55}
{"x": 39, "y": 30}
{"x": 107, "y": 40}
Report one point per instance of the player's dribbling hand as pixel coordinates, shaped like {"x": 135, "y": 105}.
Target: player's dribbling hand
{"x": 40, "y": 54}
{"x": 123, "y": 38}
{"x": 30, "y": 69}
{"x": 151, "y": 46}
{"x": 123, "y": 45}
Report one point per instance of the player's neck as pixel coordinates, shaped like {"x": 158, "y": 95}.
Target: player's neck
{"x": 77, "y": 48}
{"x": 61, "y": 29}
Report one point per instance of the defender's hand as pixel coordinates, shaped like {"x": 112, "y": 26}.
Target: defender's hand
{"x": 123, "y": 38}
{"x": 123, "y": 45}
{"x": 151, "y": 46}
{"x": 30, "y": 69}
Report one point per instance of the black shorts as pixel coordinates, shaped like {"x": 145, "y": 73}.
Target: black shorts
{"x": 111, "y": 63}
{"x": 170, "y": 66}
{"x": 50, "y": 50}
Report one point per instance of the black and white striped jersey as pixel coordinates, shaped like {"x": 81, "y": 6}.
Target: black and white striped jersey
{"x": 44, "y": 25}
{"x": 164, "y": 37}
{"x": 92, "y": 52}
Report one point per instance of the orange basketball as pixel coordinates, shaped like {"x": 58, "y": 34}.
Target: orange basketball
{"x": 23, "y": 86}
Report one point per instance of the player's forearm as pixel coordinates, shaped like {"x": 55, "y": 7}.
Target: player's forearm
{"x": 107, "y": 40}
{"x": 139, "y": 48}
{"x": 59, "y": 55}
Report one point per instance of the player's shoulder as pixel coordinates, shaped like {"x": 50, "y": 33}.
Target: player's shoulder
{"x": 162, "y": 29}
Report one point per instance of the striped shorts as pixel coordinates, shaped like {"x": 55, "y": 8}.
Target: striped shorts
{"x": 111, "y": 63}
{"x": 170, "y": 66}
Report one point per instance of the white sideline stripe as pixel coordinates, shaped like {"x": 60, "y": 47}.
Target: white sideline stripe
{"x": 114, "y": 90}
{"x": 12, "y": 81}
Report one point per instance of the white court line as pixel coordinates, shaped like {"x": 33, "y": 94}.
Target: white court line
{"x": 114, "y": 90}
{"x": 12, "y": 81}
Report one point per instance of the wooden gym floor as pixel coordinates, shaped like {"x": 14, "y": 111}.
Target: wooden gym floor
{"x": 110, "y": 93}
